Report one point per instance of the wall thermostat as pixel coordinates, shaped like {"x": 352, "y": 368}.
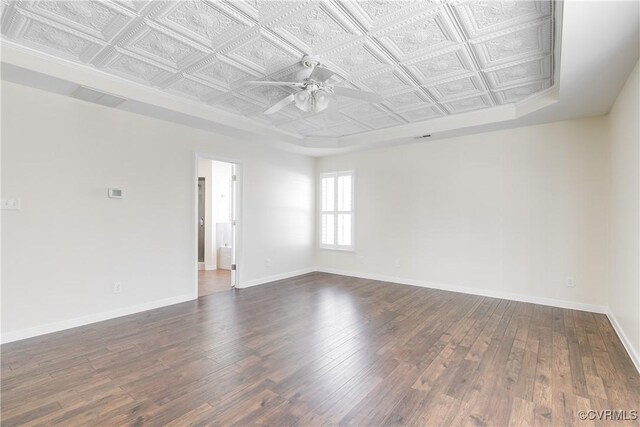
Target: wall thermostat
{"x": 115, "y": 193}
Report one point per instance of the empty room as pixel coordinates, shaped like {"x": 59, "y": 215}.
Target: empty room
{"x": 320, "y": 213}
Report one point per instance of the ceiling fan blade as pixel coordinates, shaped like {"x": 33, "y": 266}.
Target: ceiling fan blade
{"x": 357, "y": 94}
{"x": 267, "y": 83}
{"x": 321, "y": 74}
{"x": 280, "y": 105}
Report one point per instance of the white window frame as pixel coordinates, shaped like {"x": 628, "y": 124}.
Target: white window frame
{"x": 335, "y": 211}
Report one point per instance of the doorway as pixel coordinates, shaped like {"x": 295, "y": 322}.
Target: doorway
{"x": 201, "y": 219}
{"x": 216, "y": 224}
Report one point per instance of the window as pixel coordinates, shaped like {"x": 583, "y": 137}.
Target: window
{"x": 336, "y": 210}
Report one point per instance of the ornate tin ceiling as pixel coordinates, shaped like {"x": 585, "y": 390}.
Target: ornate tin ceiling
{"x": 428, "y": 59}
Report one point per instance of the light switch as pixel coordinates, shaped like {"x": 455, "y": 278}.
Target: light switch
{"x": 11, "y": 204}
{"x": 115, "y": 193}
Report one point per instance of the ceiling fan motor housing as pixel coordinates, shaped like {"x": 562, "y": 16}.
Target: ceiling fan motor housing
{"x": 310, "y": 61}
{"x": 315, "y": 88}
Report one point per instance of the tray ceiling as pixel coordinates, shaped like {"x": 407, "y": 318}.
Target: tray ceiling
{"x": 428, "y": 59}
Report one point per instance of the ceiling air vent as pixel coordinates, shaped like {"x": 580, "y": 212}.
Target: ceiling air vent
{"x": 423, "y": 136}
{"x": 97, "y": 97}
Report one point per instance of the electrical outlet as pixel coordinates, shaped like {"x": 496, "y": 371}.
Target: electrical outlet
{"x": 267, "y": 262}
{"x": 571, "y": 282}
{"x": 361, "y": 259}
{"x": 117, "y": 287}
{"x": 10, "y": 204}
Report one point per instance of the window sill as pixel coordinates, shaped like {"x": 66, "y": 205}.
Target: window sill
{"x": 331, "y": 248}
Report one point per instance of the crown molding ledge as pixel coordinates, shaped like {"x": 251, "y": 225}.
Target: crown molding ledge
{"x": 458, "y": 121}
{"x": 185, "y": 110}
{"x": 156, "y": 103}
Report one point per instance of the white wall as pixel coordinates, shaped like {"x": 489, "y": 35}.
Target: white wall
{"x": 69, "y": 243}
{"x": 624, "y": 289}
{"x": 512, "y": 213}
{"x": 205, "y": 171}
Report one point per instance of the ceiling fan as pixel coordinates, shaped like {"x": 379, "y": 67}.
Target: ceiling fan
{"x": 316, "y": 91}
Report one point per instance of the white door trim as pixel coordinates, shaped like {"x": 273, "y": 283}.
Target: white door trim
{"x": 238, "y": 208}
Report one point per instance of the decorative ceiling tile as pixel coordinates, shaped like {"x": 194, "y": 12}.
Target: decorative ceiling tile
{"x": 420, "y": 34}
{"x": 237, "y": 104}
{"x": 262, "y": 10}
{"x": 291, "y": 111}
{"x": 362, "y": 110}
{"x": 222, "y": 73}
{"x": 325, "y": 119}
{"x": 427, "y": 58}
{"x": 299, "y": 126}
{"x": 135, "y": 68}
{"x": 263, "y": 52}
{"x": 135, "y": 5}
{"x": 518, "y": 43}
{"x": 482, "y": 17}
{"x": 422, "y": 113}
{"x": 357, "y": 58}
{"x": 101, "y": 20}
{"x": 468, "y": 104}
{"x": 274, "y": 119}
{"x": 442, "y": 65}
{"x": 515, "y": 94}
{"x": 266, "y": 95}
{"x": 406, "y": 101}
{"x": 210, "y": 23}
{"x": 333, "y": 118}
{"x": 42, "y": 34}
{"x": 170, "y": 49}
{"x": 248, "y": 7}
{"x": 316, "y": 27}
{"x": 287, "y": 74}
{"x": 54, "y": 38}
{"x": 386, "y": 82}
{"x": 350, "y": 128}
{"x": 324, "y": 133}
{"x": 383, "y": 121}
{"x": 194, "y": 89}
{"x": 458, "y": 88}
{"x": 374, "y": 14}
{"x": 515, "y": 73}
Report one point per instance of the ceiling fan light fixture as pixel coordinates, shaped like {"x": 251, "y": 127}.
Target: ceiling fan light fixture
{"x": 302, "y": 100}
{"x": 321, "y": 101}
{"x": 316, "y": 89}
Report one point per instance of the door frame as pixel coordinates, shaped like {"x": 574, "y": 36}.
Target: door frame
{"x": 203, "y": 216}
{"x": 237, "y": 250}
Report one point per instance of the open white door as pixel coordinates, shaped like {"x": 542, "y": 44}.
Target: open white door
{"x": 234, "y": 225}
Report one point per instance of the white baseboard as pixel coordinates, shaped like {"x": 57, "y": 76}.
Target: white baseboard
{"x": 626, "y": 342}
{"x": 268, "y": 279}
{"x": 210, "y": 267}
{"x": 473, "y": 291}
{"x": 98, "y": 317}
{"x": 92, "y": 318}
{"x": 635, "y": 358}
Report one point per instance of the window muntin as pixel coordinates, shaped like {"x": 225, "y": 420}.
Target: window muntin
{"x": 336, "y": 210}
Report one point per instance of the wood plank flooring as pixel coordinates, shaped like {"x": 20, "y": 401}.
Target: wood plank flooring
{"x": 322, "y": 349}
{"x": 211, "y": 281}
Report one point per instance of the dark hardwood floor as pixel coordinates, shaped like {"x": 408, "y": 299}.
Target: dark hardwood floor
{"x": 211, "y": 281}
{"x": 322, "y": 349}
